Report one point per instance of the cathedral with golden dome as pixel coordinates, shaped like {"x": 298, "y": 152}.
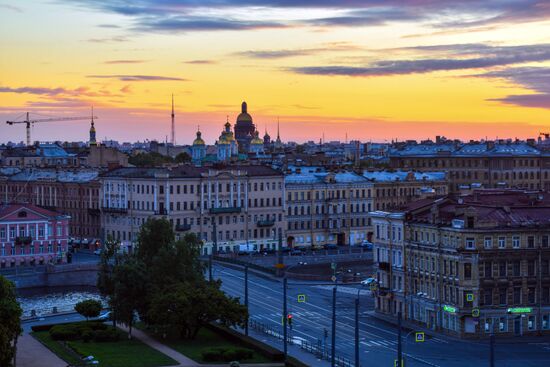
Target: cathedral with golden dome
{"x": 232, "y": 146}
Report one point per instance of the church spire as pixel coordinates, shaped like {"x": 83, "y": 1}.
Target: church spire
{"x": 173, "y": 130}
{"x": 92, "y": 140}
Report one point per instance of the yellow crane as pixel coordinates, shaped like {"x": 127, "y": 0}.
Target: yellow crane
{"x": 28, "y": 122}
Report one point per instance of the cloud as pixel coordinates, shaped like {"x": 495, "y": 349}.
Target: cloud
{"x": 487, "y": 57}
{"x": 11, "y": 7}
{"x": 184, "y": 24}
{"x": 59, "y": 91}
{"x": 124, "y": 61}
{"x": 137, "y": 78}
{"x": 536, "y": 79}
{"x": 201, "y": 62}
{"x": 285, "y": 53}
{"x": 126, "y": 89}
{"x": 34, "y": 90}
{"x": 106, "y": 40}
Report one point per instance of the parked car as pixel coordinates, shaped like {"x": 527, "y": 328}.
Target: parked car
{"x": 368, "y": 281}
{"x": 296, "y": 251}
{"x": 97, "y": 252}
{"x": 331, "y": 246}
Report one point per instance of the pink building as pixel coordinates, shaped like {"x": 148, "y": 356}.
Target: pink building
{"x": 30, "y": 235}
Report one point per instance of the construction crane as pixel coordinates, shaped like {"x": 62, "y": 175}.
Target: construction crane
{"x": 28, "y": 121}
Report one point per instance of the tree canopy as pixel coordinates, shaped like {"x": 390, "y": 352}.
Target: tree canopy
{"x": 10, "y": 322}
{"x": 88, "y": 308}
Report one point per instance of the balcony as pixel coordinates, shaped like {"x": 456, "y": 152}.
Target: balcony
{"x": 228, "y": 210}
{"x": 183, "y": 227}
{"x": 23, "y": 240}
{"x": 94, "y": 212}
{"x": 162, "y": 211}
{"x": 266, "y": 223}
{"x": 384, "y": 266}
{"x": 105, "y": 209}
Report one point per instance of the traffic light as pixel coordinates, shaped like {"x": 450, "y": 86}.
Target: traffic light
{"x": 289, "y": 320}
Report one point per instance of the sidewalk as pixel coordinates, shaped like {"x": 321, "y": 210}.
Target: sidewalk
{"x": 30, "y": 350}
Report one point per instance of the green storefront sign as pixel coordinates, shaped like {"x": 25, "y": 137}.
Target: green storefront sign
{"x": 520, "y": 310}
{"x": 449, "y": 309}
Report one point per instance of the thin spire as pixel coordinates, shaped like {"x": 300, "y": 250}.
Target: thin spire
{"x": 92, "y": 115}
{"x": 278, "y": 135}
{"x": 173, "y": 132}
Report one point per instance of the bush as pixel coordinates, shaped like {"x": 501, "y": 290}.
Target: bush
{"x": 64, "y": 332}
{"x": 97, "y": 326}
{"x": 109, "y": 335}
{"x": 88, "y": 308}
{"x": 87, "y": 335}
{"x": 46, "y": 327}
{"x": 225, "y": 354}
{"x": 237, "y": 354}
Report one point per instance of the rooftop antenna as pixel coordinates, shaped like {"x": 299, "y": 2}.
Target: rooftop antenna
{"x": 173, "y": 137}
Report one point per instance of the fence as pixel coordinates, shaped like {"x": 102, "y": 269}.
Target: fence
{"x": 318, "y": 349}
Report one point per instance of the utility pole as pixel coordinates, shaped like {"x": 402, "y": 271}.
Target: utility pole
{"x": 492, "y": 350}
{"x": 214, "y": 237}
{"x": 333, "y": 336}
{"x": 399, "y": 346}
{"x": 210, "y": 267}
{"x": 357, "y": 331}
{"x": 285, "y": 347}
{"x": 280, "y": 261}
{"x": 246, "y": 298}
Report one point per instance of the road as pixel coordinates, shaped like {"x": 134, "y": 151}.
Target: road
{"x": 378, "y": 339}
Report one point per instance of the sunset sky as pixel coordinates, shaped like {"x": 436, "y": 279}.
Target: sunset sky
{"x": 376, "y": 70}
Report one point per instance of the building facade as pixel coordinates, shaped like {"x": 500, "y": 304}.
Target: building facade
{"x": 244, "y": 129}
{"x": 471, "y": 265}
{"x": 30, "y": 235}
{"x": 72, "y": 193}
{"x": 242, "y": 205}
{"x": 326, "y": 207}
{"x": 500, "y": 164}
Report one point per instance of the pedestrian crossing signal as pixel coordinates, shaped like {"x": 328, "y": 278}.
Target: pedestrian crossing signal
{"x": 289, "y": 319}
{"x": 419, "y": 336}
{"x": 396, "y": 363}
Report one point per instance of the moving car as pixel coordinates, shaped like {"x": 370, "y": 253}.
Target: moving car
{"x": 366, "y": 245}
{"x": 368, "y": 281}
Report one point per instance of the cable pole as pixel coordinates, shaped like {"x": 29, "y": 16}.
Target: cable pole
{"x": 285, "y": 347}
{"x": 399, "y": 346}
{"x": 333, "y": 336}
{"x": 246, "y": 298}
{"x": 492, "y": 350}
{"x": 357, "y": 331}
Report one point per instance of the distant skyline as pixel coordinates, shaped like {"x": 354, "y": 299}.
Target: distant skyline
{"x": 374, "y": 70}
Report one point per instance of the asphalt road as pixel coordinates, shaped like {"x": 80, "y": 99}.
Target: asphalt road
{"x": 378, "y": 339}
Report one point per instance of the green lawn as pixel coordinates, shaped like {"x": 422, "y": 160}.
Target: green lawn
{"x": 206, "y": 338}
{"x": 123, "y": 353}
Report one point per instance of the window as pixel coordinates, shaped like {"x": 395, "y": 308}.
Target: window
{"x": 502, "y": 268}
{"x": 517, "y": 295}
{"x": 502, "y": 299}
{"x": 467, "y": 271}
{"x": 531, "y": 295}
{"x": 531, "y": 323}
{"x": 488, "y": 242}
{"x": 488, "y": 297}
{"x": 517, "y": 268}
{"x": 545, "y": 322}
{"x": 488, "y": 269}
{"x": 531, "y": 242}
{"x": 470, "y": 243}
{"x": 501, "y": 242}
{"x": 502, "y": 324}
{"x": 544, "y": 241}
{"x": 516, "y": 242}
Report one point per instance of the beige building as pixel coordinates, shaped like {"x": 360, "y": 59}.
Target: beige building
{"x": 470, "y": 265}
{"x": 244, "y": 205}
{"x": 331, "y": 207}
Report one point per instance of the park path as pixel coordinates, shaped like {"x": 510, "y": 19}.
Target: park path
{"x": 30, "y": 351}
{"x": 155, "y": 344}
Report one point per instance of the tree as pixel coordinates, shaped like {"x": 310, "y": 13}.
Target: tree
{"x": 105, "y": 282}
{"x": 10, "y": 322}
{"x": 183, "y": 157}
{"x": 152, "y": 159}
{"x": 153, "y": 235}
{"x": 189, "y": 307}
{"x": 130, "y": 291}
{"x": 88, "y": 308}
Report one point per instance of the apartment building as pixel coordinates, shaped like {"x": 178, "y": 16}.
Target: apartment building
{"x": 393, "y": 189}
{"x": 470, "y": 265}
{"x": 74, "y": 193}
{"x": 30, "y": 235}
{"x": 326, "y": 207}
{"x": 240, "y": 205}
{"x": 500, "y": 164}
